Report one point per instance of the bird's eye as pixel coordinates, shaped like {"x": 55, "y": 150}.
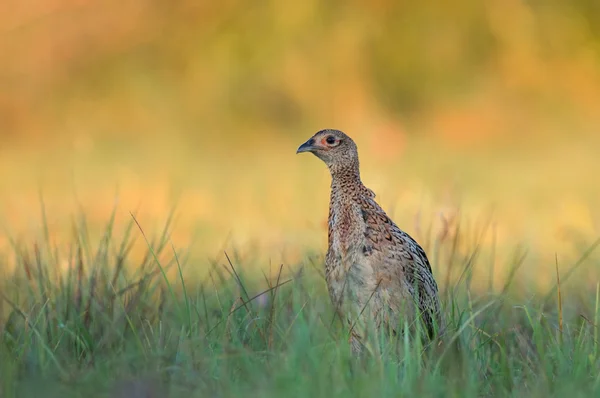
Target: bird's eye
{"x": 330, "y": 140}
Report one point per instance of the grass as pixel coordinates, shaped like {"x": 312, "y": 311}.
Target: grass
{"x": 95, "y": 321}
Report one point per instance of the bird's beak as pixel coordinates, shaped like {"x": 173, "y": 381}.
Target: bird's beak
{"x": 308, "y": 146}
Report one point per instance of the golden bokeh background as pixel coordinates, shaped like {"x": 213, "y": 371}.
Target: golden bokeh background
{"x": 488, "y": 107}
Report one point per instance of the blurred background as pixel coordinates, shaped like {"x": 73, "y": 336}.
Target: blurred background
{"x": 463, "y": 110}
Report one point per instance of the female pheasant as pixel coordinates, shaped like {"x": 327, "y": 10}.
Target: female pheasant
{"x": 376, "y": 274}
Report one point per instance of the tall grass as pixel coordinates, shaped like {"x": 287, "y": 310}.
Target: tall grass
{"x": 109, "y": 325}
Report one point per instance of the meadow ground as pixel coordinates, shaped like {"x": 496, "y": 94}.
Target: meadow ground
{"x": 115, "y": 325}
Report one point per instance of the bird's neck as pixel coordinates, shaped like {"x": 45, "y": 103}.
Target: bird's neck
{"x": 345, "y": 170}
{"x": 345, "y": 179}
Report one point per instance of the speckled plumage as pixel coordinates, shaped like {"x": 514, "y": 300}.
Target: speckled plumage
{"x": 376, "y": 273}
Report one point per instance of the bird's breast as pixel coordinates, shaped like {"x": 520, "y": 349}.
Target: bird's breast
{"x": 350, "y": 275}
{"x": 346, "y": 228}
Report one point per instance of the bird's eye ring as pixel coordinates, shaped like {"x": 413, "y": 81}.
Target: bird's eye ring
{"x": 330, "y": 140}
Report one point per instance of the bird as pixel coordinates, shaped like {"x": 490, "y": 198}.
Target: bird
{"x": 377, "y": 275}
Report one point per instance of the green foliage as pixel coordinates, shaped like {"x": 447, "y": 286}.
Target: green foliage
{"x": 107, "y": 327}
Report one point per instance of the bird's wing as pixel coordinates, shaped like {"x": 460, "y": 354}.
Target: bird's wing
{"x": 385, "y": 236}
{"x": 400, "y": 262}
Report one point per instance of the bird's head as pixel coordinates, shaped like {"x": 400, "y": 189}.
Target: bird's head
{"x": 333, "y": 147}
